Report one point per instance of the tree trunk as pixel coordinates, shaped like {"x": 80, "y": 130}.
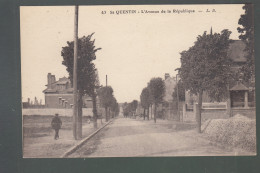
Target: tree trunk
{"x": 151, "y": 111}
{"x": 79, "y": 123}
{"x": 94, "y": 102}
{"x": 154, "y": 116}
{"x": 109, "y": 117}
{"x": 106, "y": 114}
{"x": 148, "y": 112}
{"x": 144, "y": 113}
{"x": 199, "y": 111}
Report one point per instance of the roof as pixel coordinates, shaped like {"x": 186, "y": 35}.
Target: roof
{"x": 49, "y": 90}
{"x": 61, "y": 82}
{"x": 63, "y": 79}
{"x": 66, "y": 91}
{"x": 239, "y": 87}
{"x": 236, "y": 51}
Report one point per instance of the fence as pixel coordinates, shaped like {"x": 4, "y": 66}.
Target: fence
{"x": 215, "y": 111}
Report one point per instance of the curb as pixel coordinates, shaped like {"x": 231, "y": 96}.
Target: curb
{"x": 83, "y": 141}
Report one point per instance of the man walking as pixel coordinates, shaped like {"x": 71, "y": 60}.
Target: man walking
{"x": 56, "y": 125}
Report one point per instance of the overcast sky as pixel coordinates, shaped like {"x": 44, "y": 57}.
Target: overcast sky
{"x": 135, "y": 47}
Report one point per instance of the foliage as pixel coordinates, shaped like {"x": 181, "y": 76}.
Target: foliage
{"x": 105, "y": 95}
{"x": 157, "y": 91}
{"x": 87, "y": 78}
{"x": 134, "y": 105}
{"x": 206, "y": 66}
{"x": 130, "y": 108}
{"x": 181, "y": 91}
{"x": 145, "y": 98}
{"x": 247, "y": 35}
{"x": 114, "y": 106}
{"x": 156, "y": 88}
{"x": 126, "y": 109}
{"x": 86, "y": 70}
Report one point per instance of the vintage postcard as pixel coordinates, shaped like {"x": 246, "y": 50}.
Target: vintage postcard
{"x": 138, "y": 81}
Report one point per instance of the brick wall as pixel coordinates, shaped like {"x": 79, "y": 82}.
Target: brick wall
{"x": 53, "y": 101}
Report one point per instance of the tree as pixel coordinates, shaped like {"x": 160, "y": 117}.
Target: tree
{"x": 127, "y": 109}
{"x": 134, "y": 105}
{"x": 157, "y": 91}
{"x": 247, "y": 35}
{"x": 117, "y": 109}
{"x": 124, "y": 106}
{"x": 205, "y": 67}
{"x": 105, "y": 95}
{"x": 114, "y": 107}
{"x": 85, "y": 70}
{"x": 145, "y": 100}
{"x": 91, "y": 90}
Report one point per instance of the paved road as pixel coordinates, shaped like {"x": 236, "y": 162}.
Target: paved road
{"x": 126, "y": 137}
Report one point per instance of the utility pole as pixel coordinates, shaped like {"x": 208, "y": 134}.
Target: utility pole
{"x": 178, "y": 114}
{"x": 75, "y": 79}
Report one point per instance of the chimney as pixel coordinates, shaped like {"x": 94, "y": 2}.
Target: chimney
{"x": 53, "y": 79}
{"x": 166, "y": 76}
{"x": 49, "y": 80}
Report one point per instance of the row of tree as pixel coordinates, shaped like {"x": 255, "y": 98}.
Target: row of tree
{"x": 152, "y": 95}
{"x": 129, "y": 109}
{"x": 108, "y": 101}
{"x": 88, "y": 82}
{"x": 154, "y": 92}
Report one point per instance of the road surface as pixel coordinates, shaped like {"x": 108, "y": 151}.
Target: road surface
{"x": 126, "y": 137}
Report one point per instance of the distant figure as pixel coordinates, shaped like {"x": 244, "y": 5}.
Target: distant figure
{"x": 56, "y": 125}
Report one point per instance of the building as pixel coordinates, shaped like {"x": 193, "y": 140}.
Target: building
{"x": 59, "y": 94}
{"x": 170, "y": 83}
{"x": 241, "y": 94}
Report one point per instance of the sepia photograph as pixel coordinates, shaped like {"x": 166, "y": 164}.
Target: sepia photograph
{"x": 138, "y": 81}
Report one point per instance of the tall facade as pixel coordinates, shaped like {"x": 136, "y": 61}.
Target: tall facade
{"x": 168, "y": 107}
{"x": 170, "y": 83}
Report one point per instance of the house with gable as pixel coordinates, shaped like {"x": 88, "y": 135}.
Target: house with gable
{"x": 59, "y": 94}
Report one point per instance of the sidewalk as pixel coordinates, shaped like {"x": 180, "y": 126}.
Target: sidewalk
{"x": 43, "y": 145}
